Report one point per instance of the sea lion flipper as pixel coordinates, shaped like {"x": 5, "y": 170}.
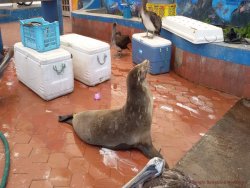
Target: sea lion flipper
{"x": 66, "y": 119}
{"x": 122, "y": 146}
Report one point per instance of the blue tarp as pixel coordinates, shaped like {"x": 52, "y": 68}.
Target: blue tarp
{"x": 115, "y": 6}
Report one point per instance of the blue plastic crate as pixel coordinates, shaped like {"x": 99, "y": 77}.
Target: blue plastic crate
{"x": 40, "y": 35}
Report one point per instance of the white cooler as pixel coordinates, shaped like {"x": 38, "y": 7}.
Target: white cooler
{"x": 49, "y": 74}
{"x": 192, "y": 30}
{"x": 91, "y": 58}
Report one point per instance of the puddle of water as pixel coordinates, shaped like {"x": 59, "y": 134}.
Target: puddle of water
{"x": 111, "y": 159}
{"x": 202, "y": 134}
{"x": 9, "y": 83}
{"x": 117, "y": 93}
{"x": 203, "y": 98}
{"x": 160, "y": 87}
{"x": 46, "y": 174}
{"x": 196, "y": 101}
{"x": 59, "y": 178}
{"x": 2, "y": 156}
{"x": 187, "y": 108}
{"x": 5, "y": 126}
{"x": 6, "y": 135}
{"x": 16, "y": 154}
{"x": 159, "y": 98}
{"x": 134, "y": 169}
{"x": 167, "y": 108}
{"x": 206, "y": 109}
{"x": 210, "y": 116}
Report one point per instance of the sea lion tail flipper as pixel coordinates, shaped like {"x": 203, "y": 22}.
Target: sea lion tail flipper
{"x": 149, "y": 151}
{"x": 66, "y": 119}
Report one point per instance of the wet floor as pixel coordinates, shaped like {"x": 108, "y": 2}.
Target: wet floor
{"x": 45, "y": 153}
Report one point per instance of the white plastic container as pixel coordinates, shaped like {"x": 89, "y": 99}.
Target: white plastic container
{"x": 192, "y": 30}
{"x": 91, "y": 58}
{"x": 49, "y": 74}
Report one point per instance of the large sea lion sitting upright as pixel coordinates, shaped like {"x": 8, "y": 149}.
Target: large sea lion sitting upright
{"x": 124, "y": 128}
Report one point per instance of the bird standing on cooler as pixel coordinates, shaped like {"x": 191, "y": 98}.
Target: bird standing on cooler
{"x": 150, "y": 20}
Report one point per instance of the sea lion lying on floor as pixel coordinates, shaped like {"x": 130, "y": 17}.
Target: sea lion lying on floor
{"x": 124, "y": 128}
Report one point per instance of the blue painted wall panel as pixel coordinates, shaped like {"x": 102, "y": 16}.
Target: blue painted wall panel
{"x": 219, "y": 12}
{"x": 52, "y": 11}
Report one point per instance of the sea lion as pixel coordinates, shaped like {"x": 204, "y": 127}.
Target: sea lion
{"x": 124, "y": 128}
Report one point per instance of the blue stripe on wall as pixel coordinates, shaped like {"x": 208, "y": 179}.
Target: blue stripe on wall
{"x": 211, "y": 50}
{"x": 120, "y": 21}
{"x": 20, "y": 14}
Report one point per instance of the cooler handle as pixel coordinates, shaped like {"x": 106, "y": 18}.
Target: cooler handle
{"x": 104, "y": 59}
{"x": 58, "y": 72}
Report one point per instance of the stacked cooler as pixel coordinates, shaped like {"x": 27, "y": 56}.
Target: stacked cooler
{"x": 49, "y": 69}
{"x": 91, "y": 58}
{"x": 40, "y": 64}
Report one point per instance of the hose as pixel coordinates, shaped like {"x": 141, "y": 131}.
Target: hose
{"x": 7, "y": 161}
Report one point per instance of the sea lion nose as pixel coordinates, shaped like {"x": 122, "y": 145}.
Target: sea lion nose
{"x": 145, "y": 63}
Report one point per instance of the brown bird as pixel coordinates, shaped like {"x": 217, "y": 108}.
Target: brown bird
{"x": 154, "y": 175}
{"x": 171, "y": 178}
{"x": 120, "y": 41}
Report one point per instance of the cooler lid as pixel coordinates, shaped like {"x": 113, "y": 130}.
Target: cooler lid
{"x": 44, "y": 57}
{"x": 84, "y": 44}
{"x": 155, "y": 42}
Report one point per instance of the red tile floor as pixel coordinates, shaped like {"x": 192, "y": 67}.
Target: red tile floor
{"x": 45, "y": 153}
